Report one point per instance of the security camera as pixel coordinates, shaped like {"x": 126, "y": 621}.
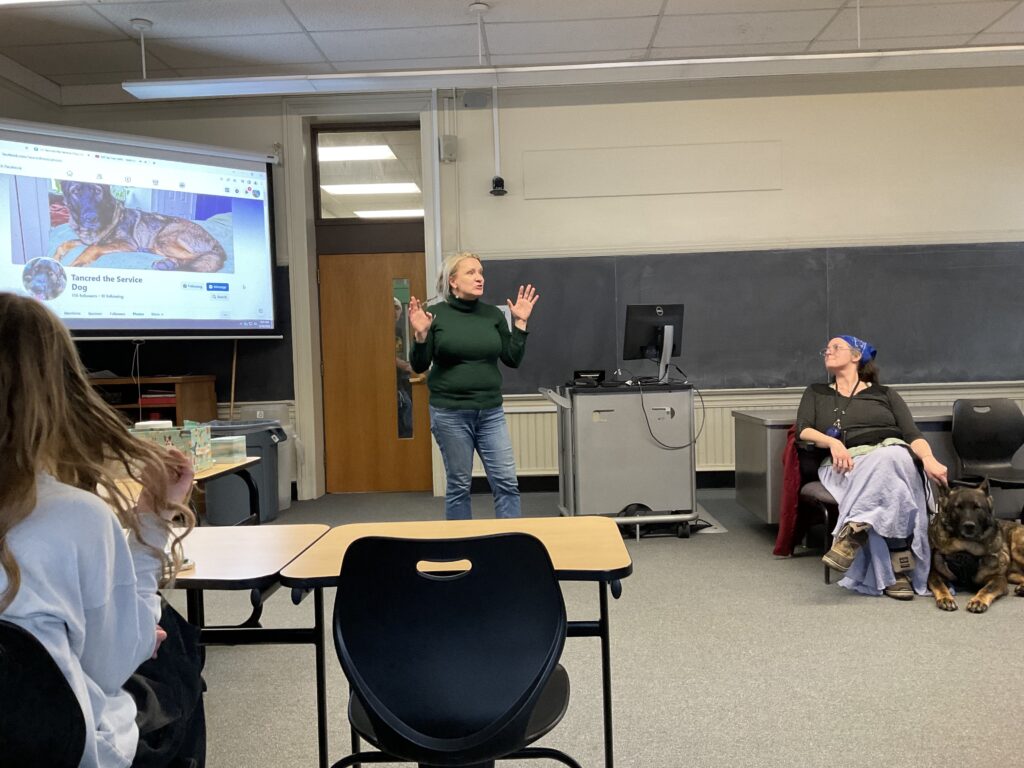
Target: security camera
{"x": 498, "y": 186}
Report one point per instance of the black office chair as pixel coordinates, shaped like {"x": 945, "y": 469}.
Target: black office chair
{"x": 41, "y": 721}
{"x": 986, "y": 435}
{"x": 814, "y": 495}
{"x": 457, "y": 667}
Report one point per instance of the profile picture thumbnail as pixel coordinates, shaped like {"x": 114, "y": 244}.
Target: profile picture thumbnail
{"x": 44, "y": 278}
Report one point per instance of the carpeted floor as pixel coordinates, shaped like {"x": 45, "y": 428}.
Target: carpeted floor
{"x": 722, "y": 655}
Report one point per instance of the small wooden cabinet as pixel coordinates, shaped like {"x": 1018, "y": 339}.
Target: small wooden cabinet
{"x": 176, "y": 398}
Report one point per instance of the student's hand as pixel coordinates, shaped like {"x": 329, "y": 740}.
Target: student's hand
{"x": 179, "y": 484}
{"x": 161, "y": 635}
{"x": 419, "y": 319}
{"x": 524, "y": 305}
{"x": 935, "y": 470}
{"x": 842, "y": 462}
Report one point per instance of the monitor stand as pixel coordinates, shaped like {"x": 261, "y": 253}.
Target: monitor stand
{"x": 667, "y": 338}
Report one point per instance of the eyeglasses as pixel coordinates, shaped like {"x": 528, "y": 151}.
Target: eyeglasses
{"x": 835, "y": 349}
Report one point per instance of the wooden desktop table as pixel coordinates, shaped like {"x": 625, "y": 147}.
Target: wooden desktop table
{"x": 586, "y": 548}
{"x": 248, "y": 557}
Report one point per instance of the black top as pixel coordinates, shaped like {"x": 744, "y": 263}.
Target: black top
{"x": 872, "y": 415}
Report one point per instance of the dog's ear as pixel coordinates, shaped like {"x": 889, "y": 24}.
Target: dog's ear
{"x": 943, "y": 492}
{"x": 984, "y": 487}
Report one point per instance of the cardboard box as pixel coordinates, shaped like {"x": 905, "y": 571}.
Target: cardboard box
{"x": 193, "y": 440}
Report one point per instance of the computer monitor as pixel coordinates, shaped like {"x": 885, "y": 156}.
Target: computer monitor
{"x": 653, "y": 332}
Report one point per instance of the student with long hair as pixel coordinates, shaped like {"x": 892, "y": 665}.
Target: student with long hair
{"x": 80, "y": 561}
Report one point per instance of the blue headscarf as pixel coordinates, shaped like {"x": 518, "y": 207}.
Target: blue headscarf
{"x": 867, "y": 352}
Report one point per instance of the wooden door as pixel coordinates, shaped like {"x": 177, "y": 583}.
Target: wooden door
{"x": 367, "y": 437}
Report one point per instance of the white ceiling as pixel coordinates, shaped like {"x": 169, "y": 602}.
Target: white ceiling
{"x": 91, "y": 42}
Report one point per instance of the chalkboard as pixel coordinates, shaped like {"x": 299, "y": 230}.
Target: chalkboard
{"x": 264, "y": 370}
{"x": 937, "y": 314}
{"x": 942, "y": 313}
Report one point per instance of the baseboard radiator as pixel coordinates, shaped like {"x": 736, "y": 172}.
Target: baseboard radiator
{"x": 533, "y": 421}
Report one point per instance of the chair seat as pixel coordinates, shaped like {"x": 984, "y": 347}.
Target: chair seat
{"x": 1007, "y": 478}
{"x": 550, "y": 709}
{"x": 817, "y": 493}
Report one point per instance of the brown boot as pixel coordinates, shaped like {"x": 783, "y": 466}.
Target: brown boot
{"x": 850, "y": 538}
{"x": 902, "y": 589}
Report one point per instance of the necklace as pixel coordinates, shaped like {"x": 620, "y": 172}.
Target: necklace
{"x": 836, "y": 430}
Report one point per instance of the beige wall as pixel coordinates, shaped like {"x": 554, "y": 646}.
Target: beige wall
{"x": 901, "y": 167}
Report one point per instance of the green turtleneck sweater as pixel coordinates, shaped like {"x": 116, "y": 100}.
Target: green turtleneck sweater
{"x": 465, "y": 341}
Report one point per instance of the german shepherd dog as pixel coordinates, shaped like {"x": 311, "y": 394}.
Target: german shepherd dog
{"x": 973, "y": 549}
{"x": 104, "y": 225}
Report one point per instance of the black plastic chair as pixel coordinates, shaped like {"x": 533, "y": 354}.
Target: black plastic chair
{"x": 455, "y": 667}
{"x": 814, "y": 495}
{"x": 986, "y": 435}
{"x": 41, "y": 721}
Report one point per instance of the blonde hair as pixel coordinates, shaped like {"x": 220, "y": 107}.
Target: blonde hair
{"x": 52, "y": 420}
{"x": 448, "y": 269}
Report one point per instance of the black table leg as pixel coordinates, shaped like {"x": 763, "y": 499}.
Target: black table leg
{"x": 321, "y": 675}
{"x": 606, "y": 677}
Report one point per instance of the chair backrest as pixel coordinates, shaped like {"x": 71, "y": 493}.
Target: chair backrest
{"x": 41, "y": 721}
{"x": 986, "y": 434}
{"x": 449, "y": 665}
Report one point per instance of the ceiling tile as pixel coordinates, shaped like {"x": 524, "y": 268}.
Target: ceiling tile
{"x": 728, "y": 51}
{"x": 561, "y": 36}
{"x": 422, "y": 42}
{"x": 566, "y": 10}
{"x": 1011, "y": 22}
{"x": 40, "y": 25}
{"x": 741, "y": 28}
{"x": 377, "y": 65}
{"x": 890, "y": 43}
{"x": 202, "y": 18}
{"x": 259, "y": 70}
{"x": 916, "y": 20}
{"x": 878, "y": 3}
{"x": 235, "y": 51}
{"x": 328, "y": 15}
{"x": 675, "y": 7}
{"x": 340, "y": 15}
{"x": 86, "y": 57}
{"x": 1005, "y": 38}
{"x": 97, "y": 78}
{"x": 578, "y": 57}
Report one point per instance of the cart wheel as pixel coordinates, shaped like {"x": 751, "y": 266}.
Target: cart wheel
{"x": 683, "y": 531}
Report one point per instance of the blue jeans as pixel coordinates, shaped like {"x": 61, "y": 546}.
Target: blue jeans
{"x": 458, "y": 433}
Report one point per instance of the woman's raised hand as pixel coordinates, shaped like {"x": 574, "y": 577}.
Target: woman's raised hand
{"x": 524, "y": 304}
{"x": 179, "y": 484}
{"x": 419, "y": 319}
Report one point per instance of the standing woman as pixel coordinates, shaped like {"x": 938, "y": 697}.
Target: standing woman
{"x": 881, "y": 537}
{"x": 464, "y": 338}
{"x": 81, "y": 572}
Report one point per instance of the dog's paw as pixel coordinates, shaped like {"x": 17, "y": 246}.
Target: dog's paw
{"x": 165, "y": 264}
{"x": 974, "y": 605}
{"x": 946, "y": 603}
{"x": 1019, "y": 591}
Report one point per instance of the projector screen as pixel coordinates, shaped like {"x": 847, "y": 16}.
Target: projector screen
{"x": 129, "y": 237}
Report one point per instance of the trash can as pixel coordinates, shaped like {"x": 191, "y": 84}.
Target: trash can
{"x": 227, "y": 498}
{"x": 286, "y": 452}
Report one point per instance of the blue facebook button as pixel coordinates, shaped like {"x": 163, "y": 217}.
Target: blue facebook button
{"x": 216, "y": 286}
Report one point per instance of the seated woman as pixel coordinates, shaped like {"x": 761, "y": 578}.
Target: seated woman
{"x": 881, "y": 538}
{"x": 80, "y": 571}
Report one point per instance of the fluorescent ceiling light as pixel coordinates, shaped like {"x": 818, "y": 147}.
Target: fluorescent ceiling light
{"x": 583, "y": 74}
{"x": 344, "y": 154}
{"x": 403, "y": 188}
{"x": 410, "y": 213}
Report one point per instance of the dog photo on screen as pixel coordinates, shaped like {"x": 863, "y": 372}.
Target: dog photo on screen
{"x": 136, "y": 228}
